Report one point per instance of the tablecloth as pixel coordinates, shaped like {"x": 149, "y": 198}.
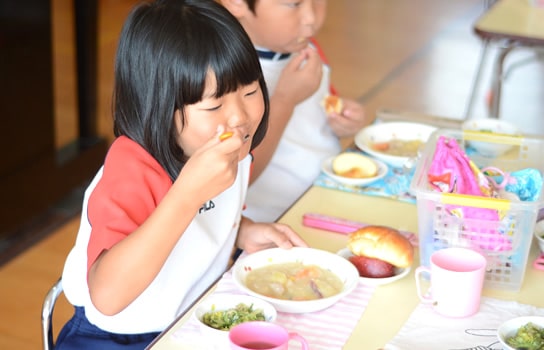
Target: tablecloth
{"x": 427, "y": 330}
{"x": 327, "y": 329}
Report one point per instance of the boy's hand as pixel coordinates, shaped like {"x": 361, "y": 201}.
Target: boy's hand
{"x": 350, "y": 120}
{"x": 301, "y": 77}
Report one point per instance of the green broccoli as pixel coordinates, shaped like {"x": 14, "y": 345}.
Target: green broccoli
{"x": 226, "y": 319}
{"x": 528, "y": 337}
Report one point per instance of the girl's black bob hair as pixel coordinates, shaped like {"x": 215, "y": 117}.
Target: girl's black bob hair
{"x": 165, "y": 50}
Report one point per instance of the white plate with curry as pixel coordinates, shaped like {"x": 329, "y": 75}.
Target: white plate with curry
{"x": 395, "y": 143}
{"x": 296, "y": 280}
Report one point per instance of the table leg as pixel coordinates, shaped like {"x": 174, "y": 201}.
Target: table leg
{"x": 477, "y": 79}
{"x": 498, "y": 75}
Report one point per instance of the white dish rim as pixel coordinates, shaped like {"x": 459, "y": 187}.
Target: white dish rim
{"x": 404, "y": 128}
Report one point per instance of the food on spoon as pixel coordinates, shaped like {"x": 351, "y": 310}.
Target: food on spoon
{"x": 225, "y": 135}
{"x": 333, "y": 104}
{"x": 354, "y": 165}
{"x": 379, "y": 250}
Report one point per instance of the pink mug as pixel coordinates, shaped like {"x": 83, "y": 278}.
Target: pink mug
{"x": 456, "y": 281}
{"x": 261, "y": 335}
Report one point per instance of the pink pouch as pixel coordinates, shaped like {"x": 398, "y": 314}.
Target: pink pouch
{"x": 451, "y": 171}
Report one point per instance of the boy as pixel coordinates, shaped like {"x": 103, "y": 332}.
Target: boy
{"x": 301, "y": 134}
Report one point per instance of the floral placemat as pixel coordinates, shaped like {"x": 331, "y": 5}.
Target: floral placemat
{"x": 394, "y": 185}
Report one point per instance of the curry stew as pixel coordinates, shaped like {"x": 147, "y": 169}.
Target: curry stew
{"x": 294, "y": 281}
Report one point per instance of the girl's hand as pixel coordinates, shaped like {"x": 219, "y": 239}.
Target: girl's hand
{"x": 213, "y": 167}
{"x": 348, "y": 122}
{"x": 253, "y": 236}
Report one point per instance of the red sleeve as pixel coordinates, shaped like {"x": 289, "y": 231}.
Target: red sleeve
{"x": 132, "y": 185}
{"x": 321, "y": 53}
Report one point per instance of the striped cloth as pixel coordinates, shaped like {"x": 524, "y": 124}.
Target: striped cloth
{"x": 327, "y": 329}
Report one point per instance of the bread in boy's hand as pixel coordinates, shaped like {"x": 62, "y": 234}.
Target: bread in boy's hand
{"x": 354, "y": 165}
{"x": 333, "y": 103}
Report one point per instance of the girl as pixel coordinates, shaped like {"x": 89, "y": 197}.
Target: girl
{"x": 162, "y": 215}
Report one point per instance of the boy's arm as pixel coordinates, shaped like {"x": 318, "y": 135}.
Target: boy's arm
{"x": 352, "y": 116}
{"x": 298, "y": 80}
{"x": 281, "y": 109}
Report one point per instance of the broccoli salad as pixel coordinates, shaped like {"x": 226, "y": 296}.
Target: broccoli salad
{"x": 226, "y": 319}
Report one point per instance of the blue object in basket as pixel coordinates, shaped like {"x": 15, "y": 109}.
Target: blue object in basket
{"x": 526, "y": 184}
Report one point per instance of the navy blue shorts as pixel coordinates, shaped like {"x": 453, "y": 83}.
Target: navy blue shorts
{"x": 78, "y": 333}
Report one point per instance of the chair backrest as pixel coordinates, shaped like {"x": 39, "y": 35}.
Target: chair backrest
{"x": 47, "y": 315}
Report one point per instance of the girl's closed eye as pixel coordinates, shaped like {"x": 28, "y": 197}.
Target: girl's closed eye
{"x": 210, "y": 104}
{"x": 211, "y": 109}
{"x": 252, "y": 89}
{"x": 293, "y": 4}
{"x": 253, "y": 92}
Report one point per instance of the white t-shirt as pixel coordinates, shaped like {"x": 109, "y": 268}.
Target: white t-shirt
{"x": 306, "y": 142}
{"x": 126, "y": 193}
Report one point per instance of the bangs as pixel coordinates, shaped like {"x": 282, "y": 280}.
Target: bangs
{"x": 219, "y": 53}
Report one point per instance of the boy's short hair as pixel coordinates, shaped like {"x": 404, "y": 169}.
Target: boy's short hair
{"x": 165, "y": 52}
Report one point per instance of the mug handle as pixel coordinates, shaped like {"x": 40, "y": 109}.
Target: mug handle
{"x": 299, "y": 338}
{"x": 419, "y": 271}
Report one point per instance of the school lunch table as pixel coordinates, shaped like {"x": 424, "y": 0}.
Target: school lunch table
{"x": 389, "y": 306}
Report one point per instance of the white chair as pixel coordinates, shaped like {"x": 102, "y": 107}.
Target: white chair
{"x": 509, "y": 25}
{"x": 47, "y": 315}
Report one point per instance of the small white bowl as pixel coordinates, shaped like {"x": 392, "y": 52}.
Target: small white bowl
{"x": 494, "y": 127}
{"x": 387, "y": 131}
{"x": 309, "y": 256}
{"x": 539, "y": 234}
{"x": 509, "y": 328}
{"x": 327, "y": 169}
{"x": 222, "y": 301}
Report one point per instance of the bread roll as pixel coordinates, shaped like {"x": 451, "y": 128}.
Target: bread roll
{"x": 384, "y": 243}
{"x": 354, "y": 165}
{"x": 333, "y": 103}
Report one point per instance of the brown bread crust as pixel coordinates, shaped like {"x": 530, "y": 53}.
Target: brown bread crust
{"x": 382, "y": 242}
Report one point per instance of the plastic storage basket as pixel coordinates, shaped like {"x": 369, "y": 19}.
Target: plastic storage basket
{"x": 438, "y": 228}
